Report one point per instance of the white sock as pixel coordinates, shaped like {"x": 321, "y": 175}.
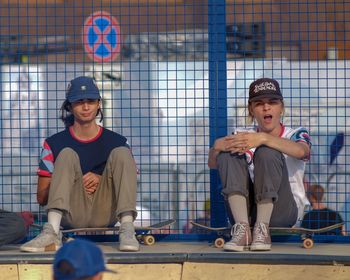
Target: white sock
{"x": 126, "y": 217}
{"x": 54, "y": 217}
{"x": 238, "y": 206}
{"x": 264, "y": 211}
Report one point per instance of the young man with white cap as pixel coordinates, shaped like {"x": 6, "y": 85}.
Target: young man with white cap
{"x": 87, "y": 174}
{"x": 262, "y": 170}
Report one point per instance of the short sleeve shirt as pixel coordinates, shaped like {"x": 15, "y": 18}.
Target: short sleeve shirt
{"x": 93, "y": 154}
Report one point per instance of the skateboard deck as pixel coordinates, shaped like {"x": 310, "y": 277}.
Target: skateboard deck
{"x": 144, "y": 233}
{"x": 305, "y": 233}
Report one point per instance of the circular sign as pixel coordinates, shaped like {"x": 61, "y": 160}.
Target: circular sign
{"x": 101, "y": 37}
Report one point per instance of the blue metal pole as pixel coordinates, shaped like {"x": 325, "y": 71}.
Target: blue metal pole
{"x": 217, "y": 97}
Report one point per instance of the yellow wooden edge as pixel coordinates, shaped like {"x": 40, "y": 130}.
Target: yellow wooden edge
{"x": 124, "y": 271}
{"x": 206, "y": 271}
{"x": 189, "y": 271}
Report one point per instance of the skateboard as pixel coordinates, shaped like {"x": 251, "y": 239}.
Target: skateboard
{"x": 144, "y": 234}
{"x": 305, "y": 233}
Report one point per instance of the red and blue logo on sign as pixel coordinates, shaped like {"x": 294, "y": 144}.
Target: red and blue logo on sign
{"x": 101, "y": 37}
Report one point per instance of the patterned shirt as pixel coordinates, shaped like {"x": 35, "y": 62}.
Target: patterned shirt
{"x": 93, "y": 154}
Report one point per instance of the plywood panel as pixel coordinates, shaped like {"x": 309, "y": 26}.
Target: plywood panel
{"x": 9, "y": 272}
{"x": 35, "y": 271}
{"x": 124, "y": 271}
{"x": 190, "y": 271}
{"x": 193, "y": 271}
{"x": 144, "y": 272}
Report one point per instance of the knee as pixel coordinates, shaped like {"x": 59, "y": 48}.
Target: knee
{"x": 68, "y": 155}
{"x": 223, "y": 157}
{"x": 267, "y": 154}
{"x": 222, "y": 160}
{"x": 121, "y": 154}
{"x": 232, "y": 161}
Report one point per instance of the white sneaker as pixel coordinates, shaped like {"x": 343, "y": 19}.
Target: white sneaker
{"x": 127, "y": 239}
{"x": 46, "y": 241}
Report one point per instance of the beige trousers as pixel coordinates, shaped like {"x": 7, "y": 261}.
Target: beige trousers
{"x": 115, "y": 194}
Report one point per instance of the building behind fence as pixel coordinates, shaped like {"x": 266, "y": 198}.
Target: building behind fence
{"x": 167, "y": 69}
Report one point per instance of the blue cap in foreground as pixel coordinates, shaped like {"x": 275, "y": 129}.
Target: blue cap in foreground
{"x": 78, "y": 258}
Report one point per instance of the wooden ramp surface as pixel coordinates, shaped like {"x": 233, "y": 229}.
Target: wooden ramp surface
{"x": 196, "y": 260}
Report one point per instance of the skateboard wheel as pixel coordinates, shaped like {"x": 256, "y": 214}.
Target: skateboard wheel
{"x": 308, "y": 243}
{"x": 149, "y": 240}
{"x": 139, "y": 238}
{"x": 219, "y": 242}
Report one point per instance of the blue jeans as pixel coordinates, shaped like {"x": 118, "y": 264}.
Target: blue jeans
{"x": 12, "y": 228}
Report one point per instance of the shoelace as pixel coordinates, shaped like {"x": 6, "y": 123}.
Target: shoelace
{"x": 238, "y": 231}
{"x": 260, "y": 233}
